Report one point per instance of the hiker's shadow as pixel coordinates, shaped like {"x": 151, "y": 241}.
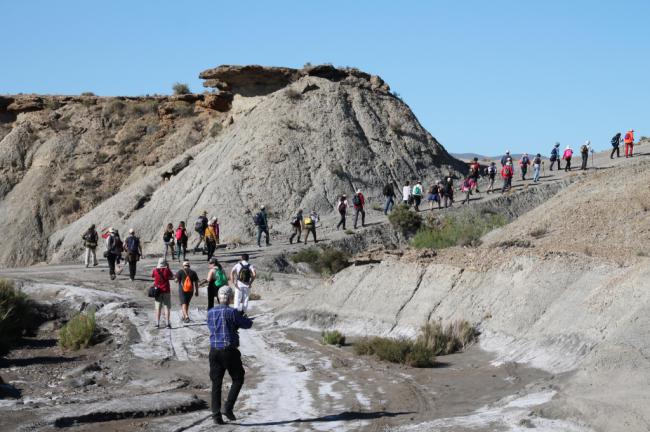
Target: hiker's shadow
{"x": 344, "y": 416}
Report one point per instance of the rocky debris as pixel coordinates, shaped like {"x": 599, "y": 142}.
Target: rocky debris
{"x": 221, "y": 101}
{"x": 26, "y": 104}
{"x": 255, "y": 80}
{"x": 177, "y": 167}
{"x": 149, "y": 405}
{"x": 81, "y": 370}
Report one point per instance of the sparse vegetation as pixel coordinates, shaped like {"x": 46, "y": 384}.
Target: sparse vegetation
{"x": 265, "y": 276}
{"x": 447, "y": 340}
{"x": 181, "y": 88}
{"x": 87, "y": 93}
{"x": 215, "y": 129}
{"x": 292, "y": 94}
{"x": 115, "y": 106}
{"x": 376, "y": 206}
{"x": 70, "y": 205}
{"x": 396, "y": 126}
{"x": 183, "y": 109}
{"x": 405, "y": 220}
{"x": 349, "y": 231}
{"x": 514, "y": 243}
{"x": 338, "y": 171}
{"x": 254, "y": 297}
{"x": 641, "y": 253}
{"x": 333, "y": 337}
{"x": 16, "y": 315}
{"x": 539, "y": 232}
{"x": 326, "y": 261}
{"x": 464, "y": 229}
{"x": 144, "y": 107}
{"x": 78, "y": 332}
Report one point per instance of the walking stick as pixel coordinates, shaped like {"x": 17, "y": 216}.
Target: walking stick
{"x": 544, "y": 168}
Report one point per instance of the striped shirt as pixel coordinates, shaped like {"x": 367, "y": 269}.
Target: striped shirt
{"x": 224, "y": 323}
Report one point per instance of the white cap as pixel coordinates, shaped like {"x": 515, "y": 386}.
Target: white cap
{"x": 131, "y": 231}
{"x": 162, "y": 263}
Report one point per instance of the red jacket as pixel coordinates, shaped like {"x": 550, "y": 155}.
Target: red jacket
{"x": 161, "y": 278}
{"x": 507, "y": 171}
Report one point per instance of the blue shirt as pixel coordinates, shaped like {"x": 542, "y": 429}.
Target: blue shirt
{"x": 224, "y": 323}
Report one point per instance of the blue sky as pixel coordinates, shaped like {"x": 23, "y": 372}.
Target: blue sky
{"x": 482, "y": 76}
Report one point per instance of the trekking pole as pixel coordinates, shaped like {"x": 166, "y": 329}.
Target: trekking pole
{"x": 544, "y": 168}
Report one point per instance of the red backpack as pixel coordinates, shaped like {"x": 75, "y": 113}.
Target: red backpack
{"x": 179, "y": 234}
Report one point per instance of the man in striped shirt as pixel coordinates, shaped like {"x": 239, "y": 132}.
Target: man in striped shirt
{"x": 224, "y": 323}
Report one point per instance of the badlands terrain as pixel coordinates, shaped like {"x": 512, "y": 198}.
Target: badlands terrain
{"x": 559, "y": 294}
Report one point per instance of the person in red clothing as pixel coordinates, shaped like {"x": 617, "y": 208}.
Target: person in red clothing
{"x": 507, "y": 172}
{"x": 359, "y": 202}
{"x": 161, "y": 276}
{"x": 629, "y": 143}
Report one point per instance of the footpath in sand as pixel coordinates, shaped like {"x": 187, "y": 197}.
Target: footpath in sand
{"x": 141, "y": 378}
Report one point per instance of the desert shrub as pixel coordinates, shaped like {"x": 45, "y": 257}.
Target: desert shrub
{"x": 52, "y": 103}
{"x": 328, "y": 260}
{"x": 333, "y": 337}
{"x": 215, "y": 129}
{"x": 404, "y": 220}
{"x": 183, "y": 109}
{"x": 265, "y": 276}
{"x": 396, "y": 126}
{"x": 254, "y": 297}
{"x": 78, "y": 332}
{"x": 70, "y": 205}
{"x": 464, "y": 229}
{"x": 292, "y": 94}
{"x": 16, "y": 315}
{"x": 446, "y": 340}
{"x": 377, "y": 207}
{"x": 396, "y": 350}
{"x": 144, "y": 107}
{"x": 88, "y": 93}
{"x": 115, "y": 106}
{"x": 514, "y": 243}
{"x": 181, "y": 88}
{"x": 538, "y": 232}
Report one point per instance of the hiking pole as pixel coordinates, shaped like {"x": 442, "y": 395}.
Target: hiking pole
{"x": 544, "y": 168}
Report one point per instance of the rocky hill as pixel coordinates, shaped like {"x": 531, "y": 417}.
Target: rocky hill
{"x": 284, "y": 137}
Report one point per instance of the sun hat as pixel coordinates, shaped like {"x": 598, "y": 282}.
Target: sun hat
{"x": 111, "y": 230}
{"x": 186, "y": 263}
{"x": 131, "y": 231}
{"x": 161, "y": 263}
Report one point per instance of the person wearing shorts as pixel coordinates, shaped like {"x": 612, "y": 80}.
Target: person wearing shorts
{"x": 161, "y": 276}
{"x": 186, "y": 296}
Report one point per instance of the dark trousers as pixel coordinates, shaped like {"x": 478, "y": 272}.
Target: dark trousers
{"x": 296, "y": 232}
{"x": 341, "y": 221}
{"x": 211, "y": 247}
{"x": 358, "y": 210}
{"x": 261, "y": 230}
{"x": 617, "y": 151}
{"x": 212, "y": 293}
{"x": 111, "y": 263}
{"x": 310, "y": 229}
{"x": 133, "y": 262}
{"x": 524, "y": 170}
{"x": 220, "y": 362}
{"x": 507, "y": 184}
{"x": 181, "y": 245}
{"x": 558, "y": 164}
{"x": 585, "y": 158}
{"x": 567, "y": 167}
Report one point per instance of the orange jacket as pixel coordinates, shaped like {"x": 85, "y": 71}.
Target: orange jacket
{"x": 629, "y": 137}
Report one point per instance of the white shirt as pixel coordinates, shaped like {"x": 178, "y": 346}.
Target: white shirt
{"x": 236, "y": 270}
{"x": 406, "y": 193}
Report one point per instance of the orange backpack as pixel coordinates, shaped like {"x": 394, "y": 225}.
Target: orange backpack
{"x": 187, "y": 283}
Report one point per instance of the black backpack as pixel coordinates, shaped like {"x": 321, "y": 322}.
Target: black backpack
{"x": 245, "y": 274}
{"x": 198, "y": 225}
{"x": 616, "y": 140}
{"x": 356, "y": 200}
{"x": 388, "y": 190}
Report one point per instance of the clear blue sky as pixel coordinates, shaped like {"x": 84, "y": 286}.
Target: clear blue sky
{"x": 482, "y": 76}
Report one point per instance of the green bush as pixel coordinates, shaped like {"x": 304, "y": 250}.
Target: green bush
{"x": 16, "y": 315}
{"x": 333, "y": 337}
{"x": 78, "y": 332}
{"x": 446, "y": 340}
{"x": 181, "y": 88}
{"x": 396, "y": 350}
{"x": 328, "y": 260}
{"x": 464, "y": 229}
{"x": 405, "y": 220}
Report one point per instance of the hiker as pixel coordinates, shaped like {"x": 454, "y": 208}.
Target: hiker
{"x": 584, "y": 154}
{"x": 161, "y": 276}
{"x": 629, "y": 143}
{"x": 309, "y": 225}
{"x": 555, "y": 156}
{"x": 389, "y": 194}
{"x": 113, "y": 252}
{"x": 242, "y": 277}
{"x": 211, "y": 238}
{"x": 417, "y": 195}
{"x": 133, "y": 252}
{"x": 537, "y": 166}
{"x": 467, "y": 186}
{"x": 200, "y": 226}
{"x": 188, "y": 285}
{"x": 505, "y": 158}
{"x": 90, "y": 238}
{"x": 492, "y": 174}
{"x": 475, "y": 173}
{"x": 216, "y": 279}
{"x": 616, "y": 142}
{"x": 524, "y": 163}
{"x": 262, "y": 223}
{"x": 358, "y": 201}
{"x": 406, "y": 193}
{"x": 568, "y": 154}
{"x": 181, "y": 240}
{"x": 168, "y": 240}
{"x": 296, "y": 226}
{"x": 433, "y": 195}
{"x": 448, "y": 192}
{"x": 507, "y": 172}
{"x": 342, "y": 208}
{"x": 217, "y": 229}
{"x": 224, "y": 323}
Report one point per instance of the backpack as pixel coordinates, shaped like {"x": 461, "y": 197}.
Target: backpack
{"x": 525, "y": 160}
{"x": 342, "y": 206}
{"x": 245, "y": 274}
{"x": 258, "y": 219}
{"x": 187, "y": 283}
{"x": 221, "y": 278}
{"x": 417, "y": 190}
{"x": 553, "y": 157}
{"x": 295, "y": 221}
{"x": 198, "y": 225}
{"x": 167, "y": 236}
{"x": 616, "y": 140}
{"x": 537, "y": 161}
{"x": 308, "y": 220}
{"x": 132, "y": 244}
{"x": 179, "y": 234}
{"x": 356, "y": 200}
{"x": 492, "y": 170}
{"x": 387, "y": 190}
{"x": 118, "y": 246}
{"x": 584, "y": 149}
